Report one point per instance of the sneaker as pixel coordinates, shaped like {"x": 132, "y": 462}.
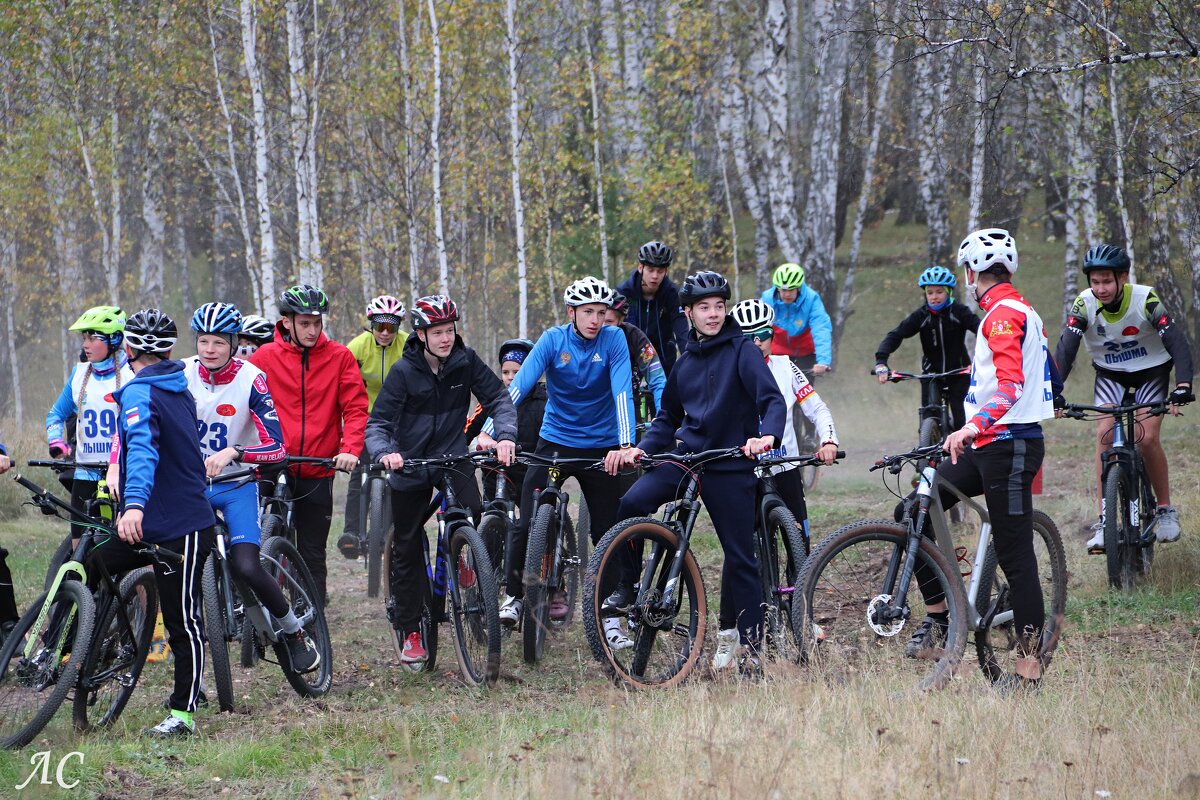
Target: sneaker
{"x": 619, "y": 601}
{"x": 347, "y": 545}
{"x": 927, "y": 638}
{"x": 171, "y": 728}
{"x": 414, "y": 650}
{"x": 558, "y": 605}
{"x": 1166, "y": 527}
{"x": 303, "y": 653}
{"x": 6, "y": 629}
{"x": 1095, "y": 545}
{"x": 617, "y": 640}
{"x": 510, "y": 611}
{"x": 466, "y": 574}
{"x": 728, "y": 641}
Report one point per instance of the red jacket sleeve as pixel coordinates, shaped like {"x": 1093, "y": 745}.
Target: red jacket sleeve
{"x": 1005, "y": 331}
{"x": 352, "y": 402}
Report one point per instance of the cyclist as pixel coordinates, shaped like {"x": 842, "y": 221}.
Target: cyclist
{"x": 322, "y": 408}
{"x": 803, "y": 330}
{"x": 513, "y": 353}
{"x": 655, "y": 302}
{"x": 419, "y": 414}
{"x": 8, "y": 598}
{"x": 756, "y": 320}
{"x": 742, "y": 408}
{"x": 1133, "y": 343}
{"x": 589, "y": 411}
{"x": 376, "y": 350}
{"x": 161, "y": 489}
{"x": 256, "y": 331}
{"x": 1000, "y": 448}
{"x": 649, "y": 379}
{"x": 943, "y": 324}
{"x": 87, "y": 397}
{"x": 236, "y": 420}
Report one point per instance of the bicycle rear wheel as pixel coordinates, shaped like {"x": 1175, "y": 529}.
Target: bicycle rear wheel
{"x": 931, "y": 432}
{"x": 476, "y": 615}
{"x": 785, "y": 550}
{"x": 667, "y": 643}
{"x": 218, "y": 629}
{"x": 124, "y": 631}
{"x": 379, "y": 518}
{"x": 839, "y": 617}
{"x": 573, "y": 546}
{"x": 997, "y": 646}
{"x": 1122, "y": 553}
{"x": 283, "y": 563}
{"x": 493, "y": 531}
{"x": 428, "y": 625}
{"x": 33, "y": 686}
{"x": 539, "y": 579}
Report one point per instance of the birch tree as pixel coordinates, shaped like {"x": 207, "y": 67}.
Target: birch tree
{"x": 773, "y": 88}
{"x": 435, "y": 126}
{"x": 514, "y": 130}
{"x": 596, "y": 162}
{"x": 262, "y": 166}
{"x": 303, "y": 119}
{"x": 1081, "y": 216}
{"x": 930, "y": 100}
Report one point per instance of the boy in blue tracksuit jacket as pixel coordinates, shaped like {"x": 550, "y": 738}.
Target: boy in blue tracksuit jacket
{"x": 720, "y": 395}
{"x": 803, "y": 330}
{"x": 163, "y": 501}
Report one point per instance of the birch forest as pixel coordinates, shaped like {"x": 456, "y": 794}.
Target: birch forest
{"x": 173, "y": 152}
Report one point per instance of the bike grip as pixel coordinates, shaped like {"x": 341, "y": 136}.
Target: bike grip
{"x": 28, "y": 484}
{"x": 165, "y": 553}
{"x": 840, "y": 454}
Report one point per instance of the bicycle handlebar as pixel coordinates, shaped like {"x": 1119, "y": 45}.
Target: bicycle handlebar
{"x": 933, "y": 453}
{"x": 1079, "y": 411}
{"x": 692, "y": 458}
{"x": 543, "y": 460}
{"x": 62, "y": 464}
{"x": 237, "y": 475}
{"x": 807, "y": 461}
{"x": 896, "y": 376}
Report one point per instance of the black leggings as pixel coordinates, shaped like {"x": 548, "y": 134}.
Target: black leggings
{"x": 312, "y": 510}
{"x": 243, "y": 560}
{"x": 956, "y": 390}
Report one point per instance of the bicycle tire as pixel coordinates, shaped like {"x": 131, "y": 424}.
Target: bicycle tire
{"x": 832, "y": 619}
{"x": 676, "y": 663}
{"x": 280, "y": 554}
{"x": 61, "y": 554}
{"x": 930, "y": 433}
{"x": 1146, "y": 508}
{"x": 539, "y": 570}
{"x": 1120, "y": 550}
{"x": 991, "y": 644}
{"x": 253, "y": 645}
{"x": 476, "y": 614}
{"x": 574, "y": 562}
{"x": 217, "y": 630}
{"x": 117, "y": 655}
{"x": 493, "y": 530}
{"x": 583, "y": 520}
{"x": 32, "y": 689}
{"x": 378, "y": 522}
{"x": 428, "y": 627}
{"x": 784, "y": 551}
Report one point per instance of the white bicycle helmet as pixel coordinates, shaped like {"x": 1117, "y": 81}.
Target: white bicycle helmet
{"x": 987, "y": 248}
{"x": 588, "y": 290}
{"x": 386, "y": 306}
{"x": 753, "y": 315}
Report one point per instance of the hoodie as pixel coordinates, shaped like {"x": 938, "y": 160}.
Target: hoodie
{"x": 162, "y": 468}
{"x": 661, "y": 317}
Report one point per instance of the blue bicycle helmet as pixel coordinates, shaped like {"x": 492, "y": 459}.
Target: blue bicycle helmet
{"x": 1106, "y": 256}
{"x": 937, "y": 276}
{"x": 217, "y": 318}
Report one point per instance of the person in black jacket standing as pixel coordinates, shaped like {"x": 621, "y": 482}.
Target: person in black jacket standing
{"x": 419, "y": 414}
{"x": 943, "y": 325}
{"x": 529, "y": 417}
{"x": 654, "y": 302}
{"x": 721, "y": 395}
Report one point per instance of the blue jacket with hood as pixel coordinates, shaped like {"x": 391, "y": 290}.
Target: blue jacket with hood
{"x": 162, "y": 469}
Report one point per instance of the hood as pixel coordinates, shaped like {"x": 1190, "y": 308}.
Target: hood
{"x": 165, "y": 375}
{"x": 729, "y": 331}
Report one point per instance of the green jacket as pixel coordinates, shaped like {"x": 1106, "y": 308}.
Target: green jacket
{"x": 375, "y": 361}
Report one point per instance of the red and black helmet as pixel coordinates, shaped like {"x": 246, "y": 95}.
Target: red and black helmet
{"x": 434, "y": 309}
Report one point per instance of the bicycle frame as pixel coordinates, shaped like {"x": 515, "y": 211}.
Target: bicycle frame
{"x": 690, "y": 506}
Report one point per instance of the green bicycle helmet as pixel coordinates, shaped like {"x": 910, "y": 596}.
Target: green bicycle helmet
{"x": 101, "y": 319}
{"x": 303, "y": 299}
{"x": 788, "y": 276}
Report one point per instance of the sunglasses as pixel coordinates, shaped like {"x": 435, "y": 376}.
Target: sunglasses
{"x": 92, "y": 336}
{"x": 384, "y": 327}
{"x": 759, "y": 336}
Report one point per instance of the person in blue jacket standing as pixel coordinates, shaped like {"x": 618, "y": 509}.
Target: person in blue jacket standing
{"x": 654, "y": 303}
{"x": 162, "y": 497}
{"x": 721, "y": 395}
{"x": 803, "y": 330}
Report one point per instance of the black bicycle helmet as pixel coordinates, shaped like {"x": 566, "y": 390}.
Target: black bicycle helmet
{"x": 1106, "y": 256}
{"x": 620, "y": 304}
{"x": 514, "y": 350}
{"x": 303, "y": 299}
{"x": 151, "y": 331}
{"x": 655, "y": 254}
{"x": 700, "y": 285}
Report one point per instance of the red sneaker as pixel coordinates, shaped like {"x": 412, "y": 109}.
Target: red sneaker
{"x": 559, "y": 610}
{"x": 414, "y": 649}
{"x": 466, "y": 575}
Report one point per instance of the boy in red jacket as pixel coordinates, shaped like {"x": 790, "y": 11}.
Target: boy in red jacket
{"x": 322, "y": 408}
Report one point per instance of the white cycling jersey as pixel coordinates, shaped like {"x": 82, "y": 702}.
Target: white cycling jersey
{"x": 97, "y": 411}
{"x": 1125, "y": 340}
{"x": 796, "y": 388}
{"x": 234, "y": 408}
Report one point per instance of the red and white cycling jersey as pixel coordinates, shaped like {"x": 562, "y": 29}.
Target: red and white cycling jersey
{"x": 234, "y": 407}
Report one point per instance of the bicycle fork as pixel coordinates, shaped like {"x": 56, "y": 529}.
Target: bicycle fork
{"x": 884, "y": 615}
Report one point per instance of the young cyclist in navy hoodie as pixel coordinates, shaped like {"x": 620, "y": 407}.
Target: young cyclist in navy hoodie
{"x": 721, "y": 394}
{"x": 162, "y": 499}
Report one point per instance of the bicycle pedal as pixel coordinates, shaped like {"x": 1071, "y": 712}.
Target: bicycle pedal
{"x": 1096, "y": 551}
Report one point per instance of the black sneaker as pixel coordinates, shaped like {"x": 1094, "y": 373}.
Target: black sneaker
{"x": 302, "y": 652}
{"x": 927, "y": 639}
{"x": 619, "y": 601}
{"x": 347, "y": 545}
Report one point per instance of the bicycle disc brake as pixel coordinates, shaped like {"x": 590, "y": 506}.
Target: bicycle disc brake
{"x": 874, "y": 608}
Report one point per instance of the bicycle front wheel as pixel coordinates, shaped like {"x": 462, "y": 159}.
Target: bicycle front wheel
{"x": 283, "y": 563}
{"x": 379, "y": 520}
{"x": 667, "y": 641}
{"x": 997, "y": 645}
{"x": 473, "y": 604}
{"x": 61, "y": 554}
{"x": 1122, "y": 552}
{"x": 539, "y": 579}
{"x": 573, "y": 545}
{"x": 33, "y": 686}
{"x": 218, "y": 630}
{"x": 114, "y": 662}
{"x": 784, "y": 551}
{"x": 846, "y": 618}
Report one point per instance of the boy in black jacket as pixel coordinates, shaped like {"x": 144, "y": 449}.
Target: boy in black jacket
{"x": 943, "y": 325}
{"x": 720, "y": 395}
{"x": 419, "y": 414}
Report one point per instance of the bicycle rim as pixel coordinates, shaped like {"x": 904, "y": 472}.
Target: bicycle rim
{"x": 283, "y": 562}
{"x": 217, "y": 630}
{"x": 33, "y": 687}
{"x": 476, "y": 615}
{"x": 118, "y": 652}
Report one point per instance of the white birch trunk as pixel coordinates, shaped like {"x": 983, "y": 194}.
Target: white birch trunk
{"x": 10, "y": 329}
{"x": 106, "y": 249}
{"x": 733, "y": 235}
{"x": 514, "y": 128}
{"x": 978, "y": 146}
{"x": 435, "y": 145}
{"x": 610, "y": 35}
{"x": 150, "y": 266}
{"x": 773, "y": 83}
{"x": 67, "y": 255}
{"x": 596, "y": 164}
{"x": 298, "y": 137}
{"x": 113, "y": 272}
{"x": 929, "y": 96}
{"x": 414, "y": 259}
{"x": 262, "y": 167}
{"x": 633, "y": 13}
{"x": 1081, "y": 216}
{"x": 1114, "y": 107}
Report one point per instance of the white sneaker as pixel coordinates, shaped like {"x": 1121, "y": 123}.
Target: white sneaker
{"x": 727, "y": 648}
{"x": 617, "y": 640}
{"x": 510, "y": 611}
{"x": 1096, "y": 543}
{"x": 1167, "y": 527}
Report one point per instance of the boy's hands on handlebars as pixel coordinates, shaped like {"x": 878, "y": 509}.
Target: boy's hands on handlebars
{"x": 614, "y": 460}
{"x": 1181, "y": 396}
{"x": 883, "y": 372}
{"x": 484, "y": 441}
{"x": 506, "y": 449}
{"x": 219, "y": 461}
{"x": 345, "y": 462}
{"x": 392, "y": 461}
{"x": 5, "y": 463}
{"x": 828, "y": 453}
{"x": 759, "y": 444}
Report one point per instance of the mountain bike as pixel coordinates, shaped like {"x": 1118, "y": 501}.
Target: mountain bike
{"x": 462, "y": 571}
{"x": 232, "y": 612}
{"x": 933, "y": 421}
{"x": 376, "y": 502}
{"x": 100, "y": 506}
{"x": 1129, "y": 500}
{"x": 859, "y": 589}
{"x": 554, "y": 555}
{"x": 94, "y": 641}
{"x": 498, "y": 525}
